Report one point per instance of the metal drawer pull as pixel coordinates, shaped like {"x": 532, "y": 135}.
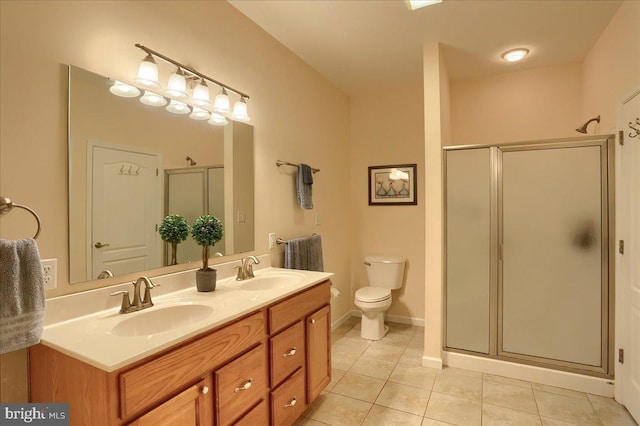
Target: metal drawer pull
{"x": 291, "y": 403}
{"x": 292, "y": 352}
{"x": 313, "y": 321}
{"x": 246, "y": 386}
{"x": 205, "y": 390}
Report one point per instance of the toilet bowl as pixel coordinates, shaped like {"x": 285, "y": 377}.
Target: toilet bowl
{"x": 385, "y": 274}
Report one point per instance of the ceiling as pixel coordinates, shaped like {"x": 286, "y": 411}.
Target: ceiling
{"x": 365, "y": 44}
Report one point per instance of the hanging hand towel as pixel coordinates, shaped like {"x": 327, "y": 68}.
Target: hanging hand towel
{"x": 304, "y": 253}
{"x": 22, "y": 295}
{"x": 304, "y": 189}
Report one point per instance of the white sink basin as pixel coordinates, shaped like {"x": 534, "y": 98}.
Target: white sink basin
{"x": 270, "y": 281}
{"x": 161, "y": 319}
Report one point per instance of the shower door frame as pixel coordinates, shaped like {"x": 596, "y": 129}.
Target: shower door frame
{"x": 607, "y": 157}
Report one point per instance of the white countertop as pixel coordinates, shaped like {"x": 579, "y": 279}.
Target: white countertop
{"x": 91, "y": 338}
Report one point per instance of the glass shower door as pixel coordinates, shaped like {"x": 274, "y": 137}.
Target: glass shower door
{"x": 552, "y": 292}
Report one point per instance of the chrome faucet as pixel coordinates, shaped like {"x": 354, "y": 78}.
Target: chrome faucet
{"x": 245, "y": 269}
{"x": 136, "y": 304}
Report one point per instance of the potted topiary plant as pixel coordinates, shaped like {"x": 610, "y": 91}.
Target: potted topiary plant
{"x": 206, "y": 231}
{"x": 173, "y": 230}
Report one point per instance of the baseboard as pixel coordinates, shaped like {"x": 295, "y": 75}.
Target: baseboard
{"x": 431, "y": 362}
{"x": 337, "y": 323}
{"x": 418, "y": 322}
{"x": 562, "y": 379}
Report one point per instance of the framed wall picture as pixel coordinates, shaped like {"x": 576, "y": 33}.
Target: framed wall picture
{"x": 392, "y": 185}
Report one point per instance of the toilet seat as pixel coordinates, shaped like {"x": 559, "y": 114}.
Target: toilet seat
{"x": 373, "y": 294}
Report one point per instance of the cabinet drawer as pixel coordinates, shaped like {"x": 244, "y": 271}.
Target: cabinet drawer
{"x": 153, "y": 381}
{"x": 298, "y": 306}
{"x": 258, "y": 416}
{"x": 287, "y": 352}
{"x": 288, "y": 400}
{"x": 241, "y": 384}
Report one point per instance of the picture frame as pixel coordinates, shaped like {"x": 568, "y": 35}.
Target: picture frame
{"x": 393, "y": 185}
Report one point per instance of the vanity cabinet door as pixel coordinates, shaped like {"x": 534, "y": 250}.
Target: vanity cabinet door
{"x": 240, "y": 385}
{"x": 318, "y": 326}
{"x": 191, "y": 407}
{"x": 288, "y": 400}
{"x": 287, "y": 353}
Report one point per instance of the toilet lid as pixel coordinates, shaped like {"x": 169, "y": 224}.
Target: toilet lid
{"x": 373, "y": 294}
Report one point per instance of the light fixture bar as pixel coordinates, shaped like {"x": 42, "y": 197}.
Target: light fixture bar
{"x": 189, "y": 69}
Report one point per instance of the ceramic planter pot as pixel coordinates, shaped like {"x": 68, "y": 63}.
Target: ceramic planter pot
{"x": 206, "y": 279}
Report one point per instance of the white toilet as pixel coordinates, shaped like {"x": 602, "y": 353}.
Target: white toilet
{"x": 385, "y": 274}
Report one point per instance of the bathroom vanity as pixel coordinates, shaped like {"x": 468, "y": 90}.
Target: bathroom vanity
{"x": 262, "y": 367}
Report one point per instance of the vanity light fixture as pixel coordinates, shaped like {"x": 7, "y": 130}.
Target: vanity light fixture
{"x": 176, "y": 94}
{"x": 515, "y": 55}
{"x": 417, "y": 4}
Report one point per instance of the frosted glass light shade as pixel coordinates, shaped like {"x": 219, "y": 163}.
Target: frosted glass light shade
{"x": 199, "y": 114}
{"x": 148, "y": 73}
{"x": 177, "y": 107}
{"x": 177, "y": 86}
{"x": 221, "y": 103}
{"x": 153, "y": 99}
{"x": 515, "y": 55}
{"x": 201, "y": 95}
{"x": 217, "y": 120}
{"x": 124, "y": 90}
{"x": 240, "y": 112}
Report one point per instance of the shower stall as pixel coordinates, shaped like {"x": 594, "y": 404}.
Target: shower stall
{"x": 528, "y": 239}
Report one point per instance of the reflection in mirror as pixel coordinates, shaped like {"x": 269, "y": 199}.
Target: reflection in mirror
{"x": 128, "y": 168}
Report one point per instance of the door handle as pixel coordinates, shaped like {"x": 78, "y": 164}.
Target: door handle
{"x": 100, "y": 245}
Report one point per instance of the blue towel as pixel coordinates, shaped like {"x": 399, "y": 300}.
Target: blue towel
{"x": 303, "y": 190}
{"x": 304, "y": 253}
{"x": 22, "y": 294}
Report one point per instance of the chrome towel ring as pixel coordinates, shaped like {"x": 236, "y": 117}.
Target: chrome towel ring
{"x": 6, "y": 205}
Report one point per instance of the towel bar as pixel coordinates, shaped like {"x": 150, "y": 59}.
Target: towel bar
{"x": 281, "y": 241}
{"x": 286, "y": 163}
{"x": 6, "y": 205}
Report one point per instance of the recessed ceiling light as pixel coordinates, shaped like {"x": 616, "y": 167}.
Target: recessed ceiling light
{"x": 417, "y": 4}
{"x": 515, "y": 55}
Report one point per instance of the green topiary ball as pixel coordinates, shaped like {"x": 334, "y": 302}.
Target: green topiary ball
{"x": 207, "y": 230}
{"x": 174, "y": 229}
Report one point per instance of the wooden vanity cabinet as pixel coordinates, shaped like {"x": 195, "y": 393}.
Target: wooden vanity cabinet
{"x": 262, "y": 369}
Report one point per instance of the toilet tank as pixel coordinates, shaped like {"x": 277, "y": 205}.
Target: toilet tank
{"x": 385, "y": 271}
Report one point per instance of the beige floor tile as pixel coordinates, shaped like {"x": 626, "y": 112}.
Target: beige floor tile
{"x": 430, "y": 422}
{"x": 412, "y": 356}
{"x": 336, "y": 375}
{"x": 339, "y": 410}
{"x": 459, "y": 385}
{"x": 546, "y": 421}
{"x": 515, "y": 397}
{"x": 353, "y": 334}
{"x": 416, "y": 376}
{"x": 461, "y": 372}
{"x": 359, "y": 387}
{"x": 572, "y": 410}
{"x": 490, "y": 378}
{"x": 351, "y": 345}
{"x": 559, "y": 391}
{"x": 454, "y": 410}
{"x": 500, "y": 416}
{"x": 388, "y": 417}
{"x": 417, "y": 341}
{"x": 409, "y": 329}
{"x": 396, "y": 339}
{"x": 610, "y": 412}
{"x": 343, "y": 360}
{"x": 372, "y": 367}
{"x": 384, "y": 352}
{"x": 404, "y": 398}
{"x": 304, "y": 421}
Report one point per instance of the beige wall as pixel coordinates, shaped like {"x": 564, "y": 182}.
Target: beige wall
{"x": 298, "y": 115}
{"x": 612, "y": 68}
{"x": 541, "y": 103}
{"x": 386, "y": 128}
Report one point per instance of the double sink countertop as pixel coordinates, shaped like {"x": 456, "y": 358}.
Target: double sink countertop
{"x": 109, "y": 340}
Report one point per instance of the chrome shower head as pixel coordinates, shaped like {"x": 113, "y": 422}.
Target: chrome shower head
{"x": 583, "y": 128}
{"x": 191, "y": 162}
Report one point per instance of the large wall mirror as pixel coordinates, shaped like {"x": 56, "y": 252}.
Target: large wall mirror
{"x": 128, "y": 169}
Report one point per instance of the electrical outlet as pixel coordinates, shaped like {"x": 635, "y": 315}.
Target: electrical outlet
{"x": 49, "y": 270}
{"x": 318, "y": 219}
{"x": 272, "y": 240}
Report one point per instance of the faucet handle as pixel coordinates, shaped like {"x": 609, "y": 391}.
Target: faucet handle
{"x": 146, "y": 301}
{"x": 242, "y": 270}
{"x": 126, "y": 302}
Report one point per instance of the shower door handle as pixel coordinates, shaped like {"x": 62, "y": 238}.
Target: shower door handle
{"x": 99, "y": 245}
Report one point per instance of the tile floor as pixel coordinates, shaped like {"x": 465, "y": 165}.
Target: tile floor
{"x": 383, "y": 383}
